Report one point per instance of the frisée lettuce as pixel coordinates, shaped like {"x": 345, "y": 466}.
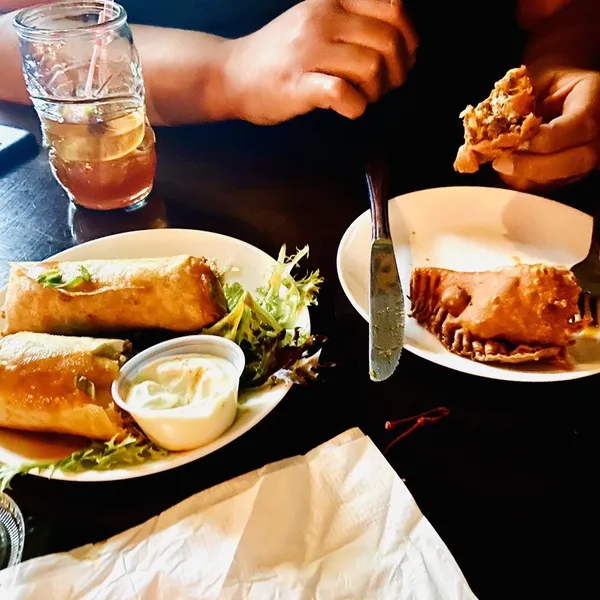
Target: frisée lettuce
{"x": 133, "y": 449}
{"x": 264, "y": 324}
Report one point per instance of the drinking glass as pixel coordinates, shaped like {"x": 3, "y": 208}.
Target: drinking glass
{"x": 84, "y": 78}
{"x": 12, "y": 532}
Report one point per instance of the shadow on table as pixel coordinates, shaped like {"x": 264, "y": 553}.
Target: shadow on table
{"x": 86, "y": 225}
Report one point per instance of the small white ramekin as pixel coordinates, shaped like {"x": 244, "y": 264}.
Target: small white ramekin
{"x": 185, "y": 427}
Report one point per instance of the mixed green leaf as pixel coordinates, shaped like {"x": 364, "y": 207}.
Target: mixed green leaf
{"x": 97, "y": 456}
{"x": 54, "y": 278}
{"x": 263, "y": 324}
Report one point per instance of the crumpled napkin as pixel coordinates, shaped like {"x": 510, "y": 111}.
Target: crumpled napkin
{"x": 337, "y": 523}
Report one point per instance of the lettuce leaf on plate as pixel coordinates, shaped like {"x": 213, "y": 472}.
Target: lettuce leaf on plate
{"x": 97, "y": 456}
{"x": 264, "y": 325}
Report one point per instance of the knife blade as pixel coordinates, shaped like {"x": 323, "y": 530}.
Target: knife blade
{"x": 386, "y": 297}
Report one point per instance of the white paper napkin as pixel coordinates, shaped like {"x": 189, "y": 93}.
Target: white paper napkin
{"x": 337, "y": 523}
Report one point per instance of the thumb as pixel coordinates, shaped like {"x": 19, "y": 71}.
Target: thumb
{"x": 318, "y": 90}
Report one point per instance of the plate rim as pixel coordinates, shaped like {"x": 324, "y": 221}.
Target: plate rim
{"x": 491, "y": 372}
{"x": 188, "y": 456}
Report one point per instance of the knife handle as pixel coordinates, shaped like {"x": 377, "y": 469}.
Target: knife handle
{"x": 377, "y": 174}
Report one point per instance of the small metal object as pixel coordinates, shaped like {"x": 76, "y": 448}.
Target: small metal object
{"x": 587, "y": 273}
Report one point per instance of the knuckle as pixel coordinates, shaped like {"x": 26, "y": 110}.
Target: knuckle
{"x": 335, "y": 89}
{"x": 312, "y": 21}
{"x": 375, "y": 66}
{"x": 392, "y": 43}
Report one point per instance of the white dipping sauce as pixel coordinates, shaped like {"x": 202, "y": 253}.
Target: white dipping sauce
{"x": 198, "y": 380}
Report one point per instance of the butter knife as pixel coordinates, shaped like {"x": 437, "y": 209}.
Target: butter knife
{"x": 386, "y": 298}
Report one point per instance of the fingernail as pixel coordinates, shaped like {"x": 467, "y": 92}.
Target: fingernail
{"x": 504, "y": 165}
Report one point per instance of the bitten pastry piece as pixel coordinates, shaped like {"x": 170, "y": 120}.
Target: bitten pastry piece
{"x": 518, "y": 314}
{"x": 179, "y": 293}
{"x": 60, "y": 384}
{"x": 502, "y": 123}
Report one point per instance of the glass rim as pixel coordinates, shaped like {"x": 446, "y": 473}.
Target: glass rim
{"x": 29, "y": 30}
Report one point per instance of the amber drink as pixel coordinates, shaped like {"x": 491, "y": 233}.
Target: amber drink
{"x": 84, "y": 78}
{"x": 103, "y": 164}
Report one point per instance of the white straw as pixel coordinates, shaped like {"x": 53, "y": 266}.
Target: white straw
{"x": 96, "y": 52}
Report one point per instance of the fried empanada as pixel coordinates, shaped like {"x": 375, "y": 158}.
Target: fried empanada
{"x": 519, "y": 314}
{"x": 502, "y": 123}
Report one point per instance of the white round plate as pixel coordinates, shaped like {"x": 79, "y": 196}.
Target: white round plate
{"x": 241, "y": 261}
{"x": 472, "y": 229}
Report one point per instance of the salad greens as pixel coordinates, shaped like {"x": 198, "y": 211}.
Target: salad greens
{"x": 97, "y": 456}
{"x": 54, "y": 278}
{"x": 263, "y": 324}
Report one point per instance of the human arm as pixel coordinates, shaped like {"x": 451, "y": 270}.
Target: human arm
{"x": 563, "y": 57}
{"x": 173, "y": 56}
{"x": 332, "y": 54}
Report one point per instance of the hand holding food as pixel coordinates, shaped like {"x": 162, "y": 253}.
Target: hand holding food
{"x": 567, "y": 147}
{"x": 331, "y": 54}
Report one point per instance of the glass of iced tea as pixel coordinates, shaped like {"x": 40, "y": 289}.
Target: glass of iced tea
{"x": 84, "y": 78}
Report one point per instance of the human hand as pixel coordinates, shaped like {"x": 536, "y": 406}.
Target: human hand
{"x": 330, "y": 54}
{"x": 567, "y": 147}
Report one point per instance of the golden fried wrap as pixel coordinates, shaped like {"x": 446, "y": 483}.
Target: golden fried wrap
{"x": 179, "y": 293}
{"x": 60, "y": 384}
{"x": 518, "y": 314}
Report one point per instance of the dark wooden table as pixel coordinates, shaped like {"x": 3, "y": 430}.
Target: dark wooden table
{"x": 498, "y": 478}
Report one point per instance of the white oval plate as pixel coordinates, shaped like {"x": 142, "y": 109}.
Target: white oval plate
{"x": 243, "y": 263}
{"x": 472, "y": 229}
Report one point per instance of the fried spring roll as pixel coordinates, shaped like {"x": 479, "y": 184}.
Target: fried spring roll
{"x": 60, "y": 384}
{"x": 179, "y": 293}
